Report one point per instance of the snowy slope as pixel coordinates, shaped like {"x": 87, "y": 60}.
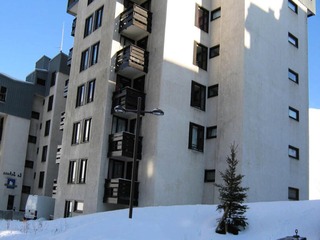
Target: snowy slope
{"x": 272, "y": 220}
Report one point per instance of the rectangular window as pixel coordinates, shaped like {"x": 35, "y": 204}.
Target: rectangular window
{"x": 68, "y": 209}
{"x": 293, "y": 152}
{"x": 98, "y": 18}
{"x": 50, "y": 103}
{"x": 83, "y": 170}
{"x": 47, "y": 128}
{"x": 293, "y": 40}
{"x": 53, "y": 79}
{"x": 293, "y": 193}
{"x": 213, "y": 91}
{"x": 90, "y": 91}
{"x": 214, "y": 51}
{"x": 196, "y": 137}
{"x": 41, "y": 179}
{"x": 80, "y": 95}
{"x": 293, "y": 6}
{"x": 202, "y": 18}
{"x": 72, "y": 172}
{"x": 3, "y": 94}
{"x": 44, "y": 153}
{"x": 32, "y": 139}
{"x": 86, "y": 130}
{"x": 76, "y": 133}
{"x": 209, "y": 175}
{"x": 215, "y": 14}
{"x": 198, "y": 95}
{"x": 84, "y": 64}
{"x": 28, "y": 164}
{"x": 94, "y": 54}
{"x": 294, "y": 113}
{"x": 293, "y": 76}
{"x": 78, "y": 206}
{"x": 200, "y": 56}
{"x": 88, "y": 25}
{"x": 26, "y": 189}
{"x": 35, "y": 115}
{"x": 41, "y": 82}
{"x": 211, "y": 132}
{"x": 119, "y": 124}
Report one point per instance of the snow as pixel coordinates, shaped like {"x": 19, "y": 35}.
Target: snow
{"x": 272, "y": 220}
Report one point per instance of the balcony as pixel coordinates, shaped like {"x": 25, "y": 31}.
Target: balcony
{"x": 132, "y": 61}
{"x": 58, "y": 155}
{"x": 69, "y": 57}
{"x": 73, "y": 29}
{"x": 121, "y": 146}
{"x": 72, "y": 7}
{"x": 135, "y": 22}
{"x": 55, "y": 186}
{"x": 128, "y": 98}
{"x": 117, "y": 191}
{"x": 62, "y": 120}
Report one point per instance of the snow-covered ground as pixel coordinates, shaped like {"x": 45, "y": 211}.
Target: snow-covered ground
{"x": 271, "y": 220}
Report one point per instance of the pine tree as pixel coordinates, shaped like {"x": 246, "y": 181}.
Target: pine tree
{"x": 232, "y": 195}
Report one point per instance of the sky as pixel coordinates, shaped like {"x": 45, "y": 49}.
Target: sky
{"x": 273, "y": 220}
{"x": 31, "y": 29}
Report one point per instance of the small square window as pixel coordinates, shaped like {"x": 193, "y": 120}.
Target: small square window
{"x": 214, "y": 51}
{"x": 215, "y": 14}
{"x": 293, "y": 76}
{"x": 213, "y": 91}
{"x": 294, "y": 113}
{"x": 293, "y": 152}
{"x": 78, "y": 206}
{"x": 293, "y": 40}
{"x": 293, "y": 193}
{"x": 211, "y": 132}
{"x": 198, "y": 96}
{"x": 209, "y": 175}
{"x": 293, "y": 6}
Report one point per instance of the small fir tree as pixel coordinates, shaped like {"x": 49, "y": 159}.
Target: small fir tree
{"x": 232, "y": 195}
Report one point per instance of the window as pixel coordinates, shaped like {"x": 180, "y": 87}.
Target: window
{"x": 215, "y": 14}
{"x": 41, "y": 82}
{"x": 26, "y": 189}
{"x": 86, "y": 130}
{"x": 94, "y": 54}
{"x": 211, "y": 132}
{"x": 44, "y": 153}
{"x": 294, "y": 113}
{"x": 53, "y": 79}
{"x": 84, "y": 64}
{"x": 3, "y": 94}
{"x": 293, "y": 6}
{"x": 209, "y": 175}
{"x": 196, "y": 135}
{"x": 293, "y": 76}
{"x": 90, "y": 1}
{"x": 72, "y": 171}
{"x": 83, "y": 170}
{"x": 78, "y": 206}
{"x": 202, "y": 18}
{"x": 293, "y": 40}
{"x": 98, "y": 18}
{"x": 214, "y": 51}
{"x": 293, "y": 193}
{"x": 80, "y": 95}
{"x": 76, "y": 133}
{"x": 47, "y": 128}
{"x": 35, "y": 115}
{"x": 88, "y": 26}
{"x": 119, "y": 124}
{"x": 90, "y": 92}
{"x": 198, "y": 95}
{"x": 32, "y": 139}
{"x": 41, "y": 180}
{"x": 213, "y": 91}
{"x": 293, "y": 152}
{"x": 200, "y": 56}
{"x": 68, "y": 209}
{"x": 28, "y": 164}
{"x": 50, "y": 103}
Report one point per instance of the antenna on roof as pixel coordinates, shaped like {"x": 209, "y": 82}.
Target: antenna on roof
{"x": 62, "y": 36}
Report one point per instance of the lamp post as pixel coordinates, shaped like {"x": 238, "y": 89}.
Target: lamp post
{"x": 138, "y": 111}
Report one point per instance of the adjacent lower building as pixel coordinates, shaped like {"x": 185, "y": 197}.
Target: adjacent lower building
{"x": 223, "y": 72}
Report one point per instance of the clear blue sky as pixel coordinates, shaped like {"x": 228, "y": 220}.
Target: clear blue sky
{"x": 33, "y": 28}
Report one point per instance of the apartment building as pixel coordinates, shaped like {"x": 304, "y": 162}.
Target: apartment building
{"x": 223, "y": 72}
{"x": 30, "y": 116}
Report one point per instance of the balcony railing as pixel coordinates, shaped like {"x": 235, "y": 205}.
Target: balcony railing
{"x": 132, "y": 61}
{"x": 72, "y": 7}
{"x": 128, "y": 98}
{"x": 135, "y": 22}
{"x": 121, "y": 146}
{"x": 62, "y": 120}
{"x": 58, "y": 155}
{"x": 55, "y": 186}
{"x": 117, "y": 191}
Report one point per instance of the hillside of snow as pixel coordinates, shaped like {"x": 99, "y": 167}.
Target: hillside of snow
{"x": 271, "y": 220}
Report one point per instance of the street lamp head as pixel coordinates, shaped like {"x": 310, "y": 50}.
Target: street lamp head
{"x": 157, "y": 112}
{"x": 119, "y": 109}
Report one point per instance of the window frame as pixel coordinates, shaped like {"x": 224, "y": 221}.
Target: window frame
{"x": 293, "y": 76}
{"x": 212, "y": 132}
{"x": 72, "y": 172}
{"x": 199, "y": 145}
{"x": 198, "y": 91}
{"x": 295, "y": 150}
{"x": 85, "y": 56}
{"x": 293, "y": 40}
{"x": 295, "y": 111}
{"x": 41, "y": 179}
{"x": 76, "y": 206}
{"x": 90, "y": 90}
{"x": 76, "y": 133}
{"x": 50, "y": 103}
{"x": 214, "y": 51}
{"x": 293, "y": 6}
{"x": 215, "y": 14}
{"x": 88, "y": 26}
{"x": 68, "y": 206}
{"x": 200, "y": 57}
{"x": 80, "y": 100}
{"x": 86, "y": 130}
{"x": 47, "y": 128}
{"x": 98, "y": 15}
{"x": 44, "y": 153}
{"x": 208, "y": 175}
{"x": 202, "y": 18}
{"x": 3, "y": 93}
{"x": 293, "y": 191}
{"x": 83, "y": 166}
{"x": 213, "y": 91}
{"x": 94, "y": 55}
